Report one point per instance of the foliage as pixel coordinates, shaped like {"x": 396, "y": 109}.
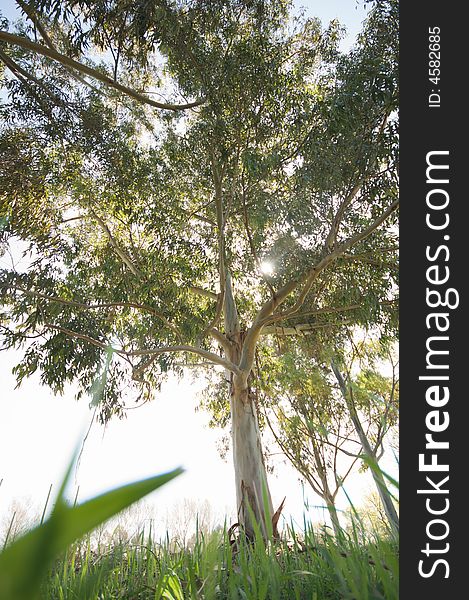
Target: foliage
{"x": 25, "y": 561}
{"x": 110, "y": 213}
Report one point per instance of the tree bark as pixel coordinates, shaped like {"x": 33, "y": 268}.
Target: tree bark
{"x": 378, "y": 477}
{"x": 334, "y": 516}
{"x": 252, "y": 491}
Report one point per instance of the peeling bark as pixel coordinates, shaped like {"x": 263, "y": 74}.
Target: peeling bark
{"x": 252, "y": 490}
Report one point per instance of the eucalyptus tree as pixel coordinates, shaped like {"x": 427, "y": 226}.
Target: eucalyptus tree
{"x": 372, "y": 400}
{"x": 309, "y": 422}
{"x": 324, "y": 422}
{"x": 148, "y": 229}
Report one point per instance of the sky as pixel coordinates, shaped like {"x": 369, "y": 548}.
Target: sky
{"x": 350, "y": 13}
{"x": 39, "y": 431}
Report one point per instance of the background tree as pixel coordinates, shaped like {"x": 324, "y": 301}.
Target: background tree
{"x": 189, "y": 519}
{"x": 22, "y": 514}
{"x": 146, "y": 234}
{"x": 321, "y": 432}
{"x": 373, "y": 398}
{"x": 310, "y": 424}
{"x": 368, "y": 518}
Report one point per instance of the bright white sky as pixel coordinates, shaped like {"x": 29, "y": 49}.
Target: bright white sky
{"x": 38, "y": 431}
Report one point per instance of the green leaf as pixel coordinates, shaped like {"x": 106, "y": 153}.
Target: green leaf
{"x": 172, "y": 589}
{"x": 377, "y": 469}
{"x": 25, "y": 562}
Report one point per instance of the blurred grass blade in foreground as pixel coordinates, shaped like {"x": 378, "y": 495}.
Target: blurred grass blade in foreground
{"x": 25, "y": 562}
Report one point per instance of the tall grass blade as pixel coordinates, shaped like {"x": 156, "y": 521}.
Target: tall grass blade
{"x": 25, "y": 562}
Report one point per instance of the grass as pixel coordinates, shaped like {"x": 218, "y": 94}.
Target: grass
{"x": 58, "y": 560}
{"x": 317, "y": 567}
{"x": 24, "y": 563}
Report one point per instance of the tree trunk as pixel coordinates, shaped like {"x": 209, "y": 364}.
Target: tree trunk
{"x": 334, "y": 516}
{"x": 252, "y": 491}
{"x": 378, "y": 478}
{"x": 383, "y": 492}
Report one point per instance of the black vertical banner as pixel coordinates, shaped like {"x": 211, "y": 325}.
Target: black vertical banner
{"x": 434, "y": 268}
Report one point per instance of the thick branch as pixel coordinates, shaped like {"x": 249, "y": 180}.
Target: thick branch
{"x": 301, "y": 329}
{"x": 194, "y": 289}
{"x": 221, "y": 339}
{"x": 214, "y": 358}
{"x": 68, "y": 62}
{"x": 264, "y": 316}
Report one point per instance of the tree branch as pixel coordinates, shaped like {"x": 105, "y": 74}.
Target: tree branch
{"x": 27, "y": 79}
{"x": 264, "y": 316}
{"x": 98, "y": 305}
{"x": 331, "y": 238}
{"x": 79, "y": 336}
{"x": 45, "y": 36}
{"x": 33, "y": 17}
{"x": 17, "y": 69}
{"x": 221, "y": 339}
{"x": 68, "y": 62}
{"x": 214, "y": 358}
{"x": 301, "y": 329}
{"x": 118, "y": 250}
{"x": 199, "y": 291}
{"x": 369, "y": 230}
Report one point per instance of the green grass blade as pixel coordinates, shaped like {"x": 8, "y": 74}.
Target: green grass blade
{"x": 24, "y": 563}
